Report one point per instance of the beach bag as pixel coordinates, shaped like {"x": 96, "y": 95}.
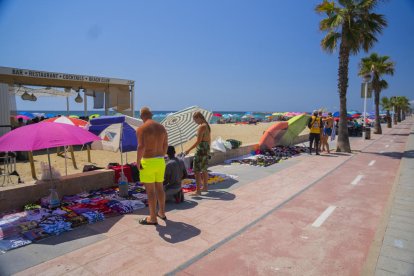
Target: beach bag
{"x": 218, "y": 145}
{"x": 89, "y": 168}
{"x": 234, "y": 143}
{"x": 45, "y": 172}
{"x": 134, "y": 172}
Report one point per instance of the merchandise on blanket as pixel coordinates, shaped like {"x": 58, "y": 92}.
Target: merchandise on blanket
{"x": 32, "y": 206}
{"x": 214, "y": 178}
{"x": 12, "y": 243}
{"x": 189, "y": 188}
{"x": 93, "y": 216}
{"x": 140, "y": 196}
{"x": 133, "y": 204}
{"x": 8, "y": 230}
{"x": 79, "y": 208}
{"x": 118, "y": 207}
{"x": 54, "y": 225}
{"x": 35, "y": 234}
{"x": 77, "y": 220}
{"x": 27, "y": 225}
{"x": 37, "y": 214}
{"x": 187, "y": 181}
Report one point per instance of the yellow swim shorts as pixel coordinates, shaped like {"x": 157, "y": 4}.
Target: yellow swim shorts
{"x": 153, "y": 170}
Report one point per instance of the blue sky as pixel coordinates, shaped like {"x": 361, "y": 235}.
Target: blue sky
{"x": 219, "y": 54}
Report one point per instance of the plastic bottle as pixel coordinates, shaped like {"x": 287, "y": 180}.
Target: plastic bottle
{"x": 123, "y": 185}
{"x": 54, "y": 200}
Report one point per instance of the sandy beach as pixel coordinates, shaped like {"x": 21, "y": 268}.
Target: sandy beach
{"x": 248, "y": 134}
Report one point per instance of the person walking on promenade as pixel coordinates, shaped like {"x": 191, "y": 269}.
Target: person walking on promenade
{"x": 201, "y": 155}
{"x": 327, "y": 131}
{"x": 320, "y": 115}
{"x": 315, "y": 126}
{"x": 152, "y": 147}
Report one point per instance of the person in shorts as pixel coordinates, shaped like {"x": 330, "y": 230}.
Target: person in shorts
{"x": 152, "y": 147}
{"x": 201, "y": 156}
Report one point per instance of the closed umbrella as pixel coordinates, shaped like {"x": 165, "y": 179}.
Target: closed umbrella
{"x": 181, "y": 127}
{"x": 295, "y": 126}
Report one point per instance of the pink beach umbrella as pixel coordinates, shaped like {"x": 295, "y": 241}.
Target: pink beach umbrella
{"x": 68, "y": 121}
{"x": 44, "y": 136}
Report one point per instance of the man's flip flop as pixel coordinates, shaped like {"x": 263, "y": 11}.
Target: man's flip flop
{"x": 163, "y": 218}
{"x": 145, "y": 222}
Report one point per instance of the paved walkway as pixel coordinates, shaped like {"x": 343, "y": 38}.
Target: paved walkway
{"x": 397, "y": 251}
{"x": 309, "y": 215}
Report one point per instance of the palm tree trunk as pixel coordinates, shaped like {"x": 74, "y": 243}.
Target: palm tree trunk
{"x": 389, "y": 121}
{"x": 378, "y": 129}
{"x": 343, "y": 144}
{"x": 399, "y": 115}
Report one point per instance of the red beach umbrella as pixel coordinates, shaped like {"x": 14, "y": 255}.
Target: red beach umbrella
{"x": 68, "y": 121}
{"x": 217, "y": 115}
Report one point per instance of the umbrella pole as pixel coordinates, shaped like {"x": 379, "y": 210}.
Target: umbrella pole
{"x": 181, "y": 138}
{"x": 32, "y": 168}
{"x": 50, "y": 166}
{"x": 72, "y": 154}
{"x": 66, "y": 165}
{"x": 88, "y": 149}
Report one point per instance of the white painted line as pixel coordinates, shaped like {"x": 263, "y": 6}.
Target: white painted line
{"x": 357, "y": 179}
{"x": 387, "y": 146}
{"x": 321, "y": 219}
{"x": 372, "y": 163}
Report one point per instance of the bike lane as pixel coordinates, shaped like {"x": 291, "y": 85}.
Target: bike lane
{"x": 326, "y": 230}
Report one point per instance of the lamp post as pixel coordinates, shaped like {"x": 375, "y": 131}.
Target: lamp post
{"x": 367, "y": 79}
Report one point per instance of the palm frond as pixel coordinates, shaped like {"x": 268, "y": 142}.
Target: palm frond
{"x": 330, "y": 41}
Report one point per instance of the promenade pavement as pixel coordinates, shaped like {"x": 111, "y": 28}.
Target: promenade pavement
{"x": 309, "y": 215}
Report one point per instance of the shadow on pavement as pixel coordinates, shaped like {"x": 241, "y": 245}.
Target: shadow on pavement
{"x": 175, "y": 231}
{"x": 342, "y": 153}
{"x": 391, "y": 154}
{"x": 187, "y": 204}
{"x": 223, "y": 185}
{"x": 400, "y": 134}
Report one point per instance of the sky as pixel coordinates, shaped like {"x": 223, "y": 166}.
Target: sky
{"x": 229, "y": 55}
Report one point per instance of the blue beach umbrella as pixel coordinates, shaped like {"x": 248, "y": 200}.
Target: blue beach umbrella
{"x": 28, "y": 114}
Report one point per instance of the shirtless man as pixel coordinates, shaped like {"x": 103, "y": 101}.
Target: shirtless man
{"x": 152, "y": 147}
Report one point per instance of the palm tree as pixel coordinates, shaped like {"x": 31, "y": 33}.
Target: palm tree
{"x": 387, "y": 105}
{"x": 378, "y": 66}
{"x": 352, "y": 24}
{"x": 402, "y": 105}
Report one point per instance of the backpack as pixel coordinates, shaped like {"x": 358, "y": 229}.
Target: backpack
{"x": 310, "y": 123}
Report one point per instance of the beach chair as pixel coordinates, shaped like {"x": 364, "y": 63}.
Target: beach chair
{"x": 8, "y": 168}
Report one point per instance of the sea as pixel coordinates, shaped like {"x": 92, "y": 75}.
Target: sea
{"x": 157, "y": 115}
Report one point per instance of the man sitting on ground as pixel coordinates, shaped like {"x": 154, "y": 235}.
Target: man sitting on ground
{"x": 175, "y": 172}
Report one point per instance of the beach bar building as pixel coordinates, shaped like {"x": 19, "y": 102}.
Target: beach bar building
{"x": 106, "y": 93}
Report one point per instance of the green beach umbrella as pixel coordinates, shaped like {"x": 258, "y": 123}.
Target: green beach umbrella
{"x": 74, "y": 116}
{"x": 93, "y": 116}
{"x": 295, "y": 126}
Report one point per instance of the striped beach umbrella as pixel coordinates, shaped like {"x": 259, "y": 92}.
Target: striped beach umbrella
{"x": 181, "y": 127}
{"x": 68, "y": 121}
